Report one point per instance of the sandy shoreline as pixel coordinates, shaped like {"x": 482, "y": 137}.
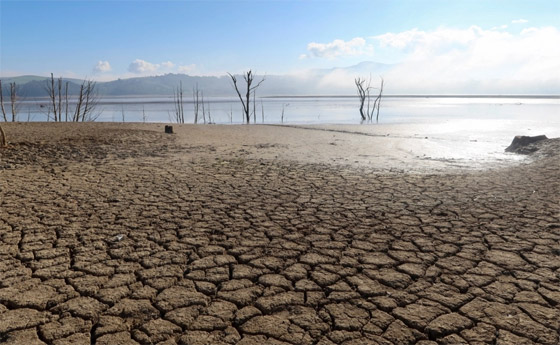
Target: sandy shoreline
{"x": 121, "y": 234}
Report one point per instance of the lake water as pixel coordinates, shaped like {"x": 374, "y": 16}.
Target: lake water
{"x": 457, "y": 115}
{"x": 461, "y": 129}
{"x": 319, "y": 110}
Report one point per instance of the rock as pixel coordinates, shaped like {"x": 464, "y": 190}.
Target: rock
{"x": 520, "y": 144}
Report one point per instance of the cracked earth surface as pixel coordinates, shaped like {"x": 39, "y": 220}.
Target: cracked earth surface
{"x": 116, "y": 238}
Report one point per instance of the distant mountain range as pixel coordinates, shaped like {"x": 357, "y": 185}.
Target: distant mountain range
{"x": 334, "y": 81}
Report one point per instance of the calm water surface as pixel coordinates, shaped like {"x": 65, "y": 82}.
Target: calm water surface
{"x": 448, "y": 116}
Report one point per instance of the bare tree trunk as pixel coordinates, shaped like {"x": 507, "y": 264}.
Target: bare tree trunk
{"x": 59, "y": 99}
{"x": 203, "y": 110}
{"x": 90, "y": 101}
{"x": 86, "y": 102}
{"x": 362, "y": 92}
{"x": 178, "y": 103}
{"x": 51, "y": 91}
{"x": 246, "y": 103}
{"x": 378, "y": 100}
{"x": 66, "y": 101}
{"x": 13, "y": 100}
{"x": 181, "y": 97}
{"x": 195, "y": 103}
{"x": 2, "y": 102}
{"x": 77, "y": 112}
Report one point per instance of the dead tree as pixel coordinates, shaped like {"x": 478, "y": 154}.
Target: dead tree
{"x": 364, "y": 94}
{"x": 2, "y": 102}
{"x": 51, "y": 92}
{"x": 87, "y": 103}
{"x": 378, "y": 101}
{"x": 203, "y": 108}
{"x": 59, "y": 101}
{"x": 178, "y": 101}
{"x": 246, "y": 103}
{"x": 66, "y": 102}
{"x": 196, "y": 102}
{"x": 13, "y": 100}
{"x": 77, "y": 111}
{"x": 91, "y": 100}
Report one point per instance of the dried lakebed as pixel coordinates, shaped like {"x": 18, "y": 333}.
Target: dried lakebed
{"x": 114, "y": 237}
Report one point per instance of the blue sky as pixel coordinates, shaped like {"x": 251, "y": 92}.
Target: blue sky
{"x": 117, "y": 39}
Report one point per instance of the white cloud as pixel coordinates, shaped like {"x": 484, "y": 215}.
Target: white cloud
{"x": 429, "y": 40}
{"x": 520, "y": 21}
{"x": 469, "y": 61}
{"x": 501, "y": 27}
{"x": 139, "y": 66}
{"x": 454, "y": 58}
{"x": 102, "y": 66}
{"x": 354, "y": 47}
{"x": 186, "y": 68}
{"x": 143, "y": 67}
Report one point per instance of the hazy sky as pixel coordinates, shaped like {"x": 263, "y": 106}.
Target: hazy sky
{"x": 433, "y": 43}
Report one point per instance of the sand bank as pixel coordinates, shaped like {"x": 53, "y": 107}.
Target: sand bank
{"x": 120, "y": 234}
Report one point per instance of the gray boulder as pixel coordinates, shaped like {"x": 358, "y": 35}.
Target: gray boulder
{"x": 523, "y": 144}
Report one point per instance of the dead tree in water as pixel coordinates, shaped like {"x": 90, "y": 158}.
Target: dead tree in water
{"x": 364, "y": 94}
{"x": 50, "y": 88}
{"x": 88, "y": 100}
{"x": 378, "y": 101}
{"x": 2, "y": 102}
{"x": 59, "y": 101}
{"x": 246, "y": 103}
{"x": 13, "y": 100}
{"x": 178, "y": 101}
{"x": 196, "y": 102}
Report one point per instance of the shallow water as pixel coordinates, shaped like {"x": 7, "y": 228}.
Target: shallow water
{"x": 455, "y": 130}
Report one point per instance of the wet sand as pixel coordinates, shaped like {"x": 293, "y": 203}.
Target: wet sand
{"x": 121, "y": 234}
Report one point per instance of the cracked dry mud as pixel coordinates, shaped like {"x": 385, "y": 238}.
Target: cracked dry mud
{"x": 117, "y": 238}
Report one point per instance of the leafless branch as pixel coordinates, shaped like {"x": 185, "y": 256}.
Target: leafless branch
{"x": 246, "y": 103}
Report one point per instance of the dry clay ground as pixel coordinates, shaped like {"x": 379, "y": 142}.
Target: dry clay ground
{"x": 126, "y": 237}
